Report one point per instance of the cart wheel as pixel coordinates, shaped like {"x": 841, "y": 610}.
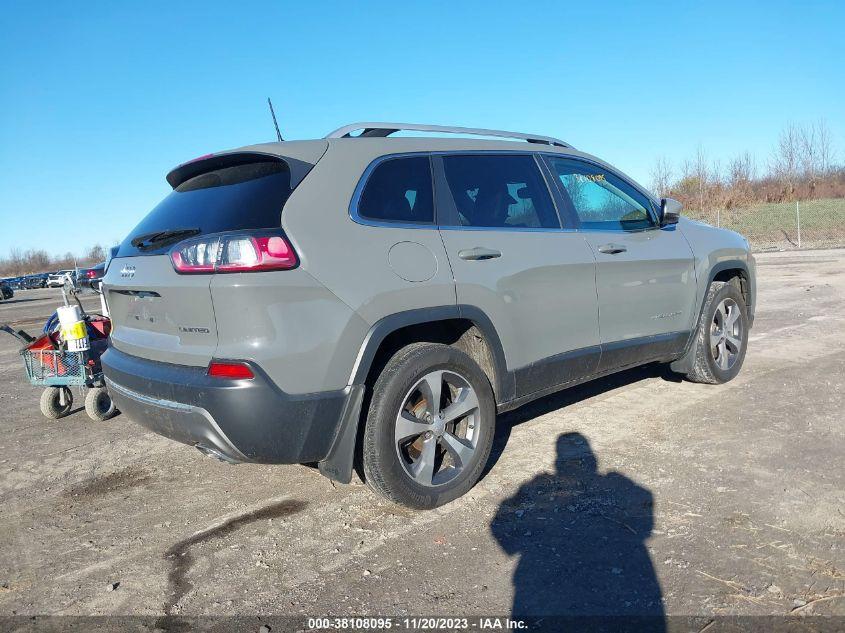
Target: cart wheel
{"x": 51, "y": 402}
{"x": 98, "y": 404}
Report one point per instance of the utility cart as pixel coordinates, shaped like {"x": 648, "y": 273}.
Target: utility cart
{"x": 50, "y": 361}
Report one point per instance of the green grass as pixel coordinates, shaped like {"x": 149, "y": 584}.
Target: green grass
{"x": 775, "y": 225}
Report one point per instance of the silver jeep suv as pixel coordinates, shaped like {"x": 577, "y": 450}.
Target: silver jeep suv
{"x": 369, "y": 302}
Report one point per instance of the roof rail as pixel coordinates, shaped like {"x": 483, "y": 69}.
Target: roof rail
{"x": 370, "y": 129}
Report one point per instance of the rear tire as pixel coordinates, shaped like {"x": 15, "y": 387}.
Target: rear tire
{"x": 429, "y": 428}
{"x": 51, "y": 402}
{"x": 721, "y": 338}
{"x": 98, "y": 404}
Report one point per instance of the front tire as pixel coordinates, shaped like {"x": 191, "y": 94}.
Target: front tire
{"x": 722, "y": 336}
{"x": 430, "y": 426}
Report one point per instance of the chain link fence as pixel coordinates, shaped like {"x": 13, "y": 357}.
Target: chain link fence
{"x": 784, "y": 226}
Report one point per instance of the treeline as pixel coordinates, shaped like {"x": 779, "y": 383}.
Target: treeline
{"x": 33, "y": 261}
{"x": 802, "y": 166}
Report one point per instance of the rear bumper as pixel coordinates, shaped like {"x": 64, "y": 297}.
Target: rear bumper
{"x": 236, "y": 420}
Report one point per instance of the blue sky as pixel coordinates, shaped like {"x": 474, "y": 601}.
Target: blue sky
{"x": 98, "y": 100}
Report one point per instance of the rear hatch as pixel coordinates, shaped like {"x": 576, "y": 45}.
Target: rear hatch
{"x": 158, "y": 313}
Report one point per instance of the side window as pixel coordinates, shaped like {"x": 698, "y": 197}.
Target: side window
{"x": 499, "y": 191}
{"x": 399, "y": 190}
{"x": 601, "y": 200}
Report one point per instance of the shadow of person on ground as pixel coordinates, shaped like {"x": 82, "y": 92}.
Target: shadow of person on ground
{"x": 580, "y": 537}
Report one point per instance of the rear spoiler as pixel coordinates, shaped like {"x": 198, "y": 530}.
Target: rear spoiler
{"x": 300, "y": 157}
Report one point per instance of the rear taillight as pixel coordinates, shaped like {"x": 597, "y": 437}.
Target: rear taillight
{"x": 234, "y": 253}
{"x": 230, "y": 370}
{"x": 91, "y": 274}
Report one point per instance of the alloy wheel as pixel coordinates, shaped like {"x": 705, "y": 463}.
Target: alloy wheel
{"x": 726, "y": 334}
{"x": 437, "y": 428}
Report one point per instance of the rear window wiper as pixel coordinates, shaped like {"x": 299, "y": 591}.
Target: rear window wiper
{"x": 158, "y": 238}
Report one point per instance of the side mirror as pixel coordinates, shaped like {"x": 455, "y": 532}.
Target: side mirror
{"x": 670, "y": 211}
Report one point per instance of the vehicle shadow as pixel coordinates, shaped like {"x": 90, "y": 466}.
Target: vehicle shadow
{"x": 568, "y": 397}
{"x": 580, "y": 538}
{"x": 14, "y": 300}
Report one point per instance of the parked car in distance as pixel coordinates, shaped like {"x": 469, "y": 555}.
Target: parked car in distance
{"x": 361, "y": 299}
{"x": 90, "y": 277}
{"x": 57, "y": 279}
{"x": 31, "y": 282}
{"x": 6, "y": 291}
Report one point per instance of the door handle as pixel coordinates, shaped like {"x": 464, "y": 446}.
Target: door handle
{"x": 612, "y": 249}
{"x": 478, "y": 253}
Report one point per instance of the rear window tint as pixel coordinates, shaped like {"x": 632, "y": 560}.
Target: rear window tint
{"x": 399, "y": 190}
{"x": 233, "y": 198}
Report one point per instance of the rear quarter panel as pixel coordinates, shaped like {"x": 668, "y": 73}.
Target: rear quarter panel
{"x": 352, "y": 260}
{"x": 293, "y": 327}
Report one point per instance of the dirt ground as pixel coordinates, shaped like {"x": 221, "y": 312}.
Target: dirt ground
{"x": 636, "y": 494}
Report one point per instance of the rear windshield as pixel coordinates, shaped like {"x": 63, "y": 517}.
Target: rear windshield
{"x": 232, "y": 198}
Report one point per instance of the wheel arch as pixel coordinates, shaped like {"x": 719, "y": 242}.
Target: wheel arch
{"x": 735, "y": 269}
{"x": 443, "y": 324}
{"x": 724, "y": 270}
{"x": 465, "y": 327}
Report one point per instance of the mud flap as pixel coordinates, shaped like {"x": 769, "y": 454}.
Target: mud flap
{"x": 338, "y": 465}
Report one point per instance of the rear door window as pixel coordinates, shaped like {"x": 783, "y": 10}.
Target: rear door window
{"x": 499, "y": 191}
{"x": 600, "y": 199}
{"x": 399, "y": 190}
{"x": 249, "y": 196}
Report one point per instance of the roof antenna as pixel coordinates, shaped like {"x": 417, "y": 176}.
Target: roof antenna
{"x": 276, "y": 123}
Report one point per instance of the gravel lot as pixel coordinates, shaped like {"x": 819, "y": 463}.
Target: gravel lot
{"x": 634, "y": 494}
